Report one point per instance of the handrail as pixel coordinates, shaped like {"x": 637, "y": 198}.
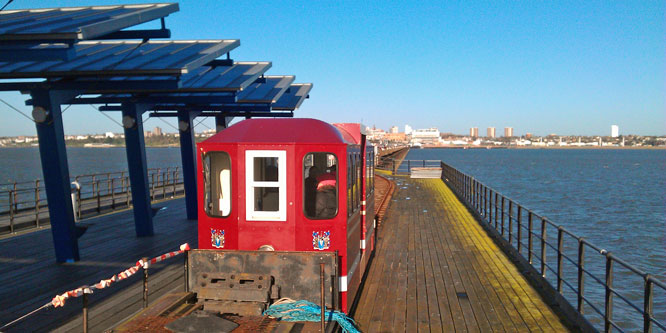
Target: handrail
{"x": 492, "y": 206}
{"x": 25, "y": 203}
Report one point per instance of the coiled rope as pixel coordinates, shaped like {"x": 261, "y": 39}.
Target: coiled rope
{"x": 290, "y": 310}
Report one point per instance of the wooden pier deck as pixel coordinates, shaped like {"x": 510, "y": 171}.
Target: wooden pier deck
{"x": 30, "y": 277}
{"x": 436, "y": 270}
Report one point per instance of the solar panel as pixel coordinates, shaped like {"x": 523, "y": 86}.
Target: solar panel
{"x": 224, "y": 78}
{"x": 76, "y": 23}
{"x": 267, "y": 90}
{"x": 293, "y": 97}
{"x": 123, "y": 58}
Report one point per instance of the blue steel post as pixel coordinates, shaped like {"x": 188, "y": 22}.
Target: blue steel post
{"x": 138, "y": 170}
{"x": 189, "y": 158}
{"x": 53, "y": 153}
{"x": 222, "y": 122}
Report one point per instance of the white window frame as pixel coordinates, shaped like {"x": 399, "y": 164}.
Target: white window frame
{"x": 251, "y": 184}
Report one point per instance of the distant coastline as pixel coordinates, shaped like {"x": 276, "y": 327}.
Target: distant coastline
{"x": 551, "y": 147}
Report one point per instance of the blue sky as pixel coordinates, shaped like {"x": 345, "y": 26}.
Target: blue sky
{"x": 542, "y": 67}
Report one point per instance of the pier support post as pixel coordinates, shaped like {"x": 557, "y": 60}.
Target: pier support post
{"x": 138, "y": 170}
{"x": 48, "y": 119}
{"x": 222, "y": 122}
{"x": 189, "y": 159}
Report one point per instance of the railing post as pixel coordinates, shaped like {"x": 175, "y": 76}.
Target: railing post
{"x": 495, "y": 210}
{"x": 485, "y": 201}
{"x": 490, "y": 207}
{"x": 529, "y": 236}
{"x": 477, "y": 196}
{"x": 78, "y": 201}
{"x": 409, "y": 166}
{"x": 510, "y": 221}
{"x": 122, "y": 185}
{"x": 127, "y": 191}
{"x": 174, "y": 178}
{"x": 152, "y": 186}
{"x": 520, "y": 229}
{"x": 164, "y": 179}
{"x": 608, "y": 316}
{"x": 647, "y": 305}
{"x": 113, "y": 193}
{"x": 85, "y": 312}
{"x": 15, "y": 199}
{"x": 145, "y": 282}
{"x": 502, "y": 218}
{"x": 560, "y": 235}
{"x": 37, "y": 203}
{"x": 186, "y": 277}
{"x": 581, "y": 275}
{"x": 99, "y": 200}
{"x": 543, "y": 246}
{"x": 11, "y": 211}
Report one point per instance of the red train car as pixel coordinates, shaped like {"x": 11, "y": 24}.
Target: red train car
{"x": 290, "y": 185}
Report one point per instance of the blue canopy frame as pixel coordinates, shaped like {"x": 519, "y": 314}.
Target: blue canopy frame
{"x": 70, "y": 51}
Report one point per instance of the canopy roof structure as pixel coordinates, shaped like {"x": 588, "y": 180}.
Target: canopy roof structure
{"x": 77, "y": 23}
{"x": 86, "y": 55}
{"x": 122, "y": 58}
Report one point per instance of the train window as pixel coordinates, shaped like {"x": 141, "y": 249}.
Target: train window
{"x": 266, "y": 185}
{"x": 320, "y": 185}
{"x": 349, "y": 185}
{"x": 359, "y": 181}
{"x": 217, "y": 184}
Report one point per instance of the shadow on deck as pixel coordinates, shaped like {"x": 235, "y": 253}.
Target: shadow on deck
{"x": 30, "y": 276}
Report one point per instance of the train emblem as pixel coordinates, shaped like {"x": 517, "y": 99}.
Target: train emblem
{"x": 217, "y": 238}
{"x": 321, "y": 240}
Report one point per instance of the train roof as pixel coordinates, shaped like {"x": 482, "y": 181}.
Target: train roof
{"x": 291, "y": 130}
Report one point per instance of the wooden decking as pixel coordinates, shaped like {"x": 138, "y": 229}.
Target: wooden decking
{"x": 29, "y": 277}
{"x": 436, "y": 270}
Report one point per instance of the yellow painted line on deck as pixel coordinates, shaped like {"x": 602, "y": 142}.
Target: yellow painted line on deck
{"x": 510, "y": 284}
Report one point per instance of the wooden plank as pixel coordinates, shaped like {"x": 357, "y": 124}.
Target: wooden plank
{"x": 524, "y": 298}
{"x": 108, "y": 247}
{"x": 434, "y": 315}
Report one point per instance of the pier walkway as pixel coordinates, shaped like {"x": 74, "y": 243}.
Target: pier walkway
{"x": 30, "y": 277}
{"x": 435, "y": 269}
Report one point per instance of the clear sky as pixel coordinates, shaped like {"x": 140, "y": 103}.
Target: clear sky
{"x": 564, "y": 67}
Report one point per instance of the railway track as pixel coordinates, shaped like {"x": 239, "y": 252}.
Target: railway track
{"x": 383, "y": 190}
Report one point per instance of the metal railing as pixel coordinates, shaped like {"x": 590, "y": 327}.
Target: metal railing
{"x": 23, "y": 204}
{"x": 531, "y": 235}
{"x": 404, "y": 167}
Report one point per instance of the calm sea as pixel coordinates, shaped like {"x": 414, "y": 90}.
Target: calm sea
{"x": 614, "y": 198}
{"x": 23, "y": 164}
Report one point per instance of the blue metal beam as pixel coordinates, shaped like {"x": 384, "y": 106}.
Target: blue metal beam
{"x": 189, "y": 158}
{"x": 53, "y": 155}
{"x": 138, "y": 170}
{"x": 222, "y": 122}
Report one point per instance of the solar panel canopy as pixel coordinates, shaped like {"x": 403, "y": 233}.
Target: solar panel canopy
{"x": 293, "y": 97}
{"x": 76, "y": 23}
{"x": 123, "y": 58}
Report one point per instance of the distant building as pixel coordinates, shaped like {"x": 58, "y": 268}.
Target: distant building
{"x": 615, "y": 131}
{"x": 394, "y": 129}
{"x": 109, "y": 135}
{"x": 157, "y": 131}
{"x": 474, "y": 132}
{"x": 425, "y": 136}
{"x": 529, "y": 135}
{"x": 491, "y": 132}
{"x": 375, "y": 133}
{"x": 408, "y": 130}
{"x": 508, "y": 132}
